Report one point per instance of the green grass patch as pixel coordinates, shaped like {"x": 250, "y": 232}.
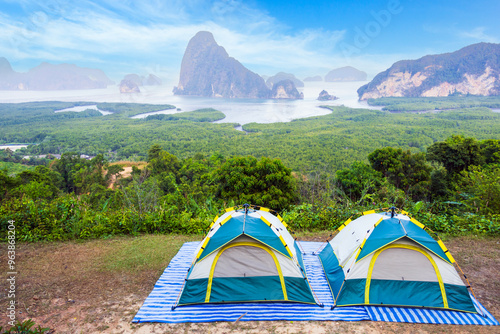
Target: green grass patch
{"x": 433, "y": 103}
{"x": 200, "y": 115}
{"x": 146, "y": 252}
{"x": 14, "y": 168}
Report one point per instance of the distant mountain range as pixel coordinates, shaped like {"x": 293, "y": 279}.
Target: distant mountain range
{"x": 131, "y": 82}
{"x": 207, "y": 70}
{"x": 283, "y": 76}
{"x": 314, "y": 78}
{"x": 341, "y": 74}
{"x": 474, "y": 69}
{"x": 51, "y": 77}
{"x": 346, "y": 73}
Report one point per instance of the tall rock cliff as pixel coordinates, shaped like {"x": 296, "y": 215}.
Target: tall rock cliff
{"x": 286, "y": 89}
{"x": 474, "y": 70}
{"x": 129, "y": 86}
{"x": 207, "y": 70}
{"x": 7, "y": 76}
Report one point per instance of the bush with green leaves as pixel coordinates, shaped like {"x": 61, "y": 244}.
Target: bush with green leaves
{"x": 24, "y": 327}
{"x": 265, "y": 182}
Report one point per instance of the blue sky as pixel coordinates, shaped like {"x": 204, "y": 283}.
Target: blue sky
{"x": 301, "y": 37}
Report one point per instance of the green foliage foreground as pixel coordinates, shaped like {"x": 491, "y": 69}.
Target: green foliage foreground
{"x": 72, "y": 199}
{"x": 317, "y": 171}
{"x": 25, "y": 327}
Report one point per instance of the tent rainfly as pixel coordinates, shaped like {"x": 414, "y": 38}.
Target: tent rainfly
{"x": 248, "y": 255}
{"x": 388, "y": 259}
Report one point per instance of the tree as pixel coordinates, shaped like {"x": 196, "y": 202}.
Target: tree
{"x": 86, "y": 174}
{"x": 39, "y": 183}
{"x": 6, "y": 183}
{"x": 456, "y": 154}
{"x": 66, "y": 167}
{"x": 358, "y": 180}
{"x": 263, "y": 182}
{"x": 141, "y": 195}
{"x": 406, "y": 171}
{"x": 490, "y": 149}
{"x": 114, "y": 172}
{"x": 160, "y": 161}
{"x": 481, "y": 188}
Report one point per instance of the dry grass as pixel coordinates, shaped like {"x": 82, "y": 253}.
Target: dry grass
{"x": 97, "y": 287}
{"x": 138, "y": 164}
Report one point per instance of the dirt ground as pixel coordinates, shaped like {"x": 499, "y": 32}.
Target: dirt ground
{"x": 75, "y": 287}
{"x": 127, "y": 170}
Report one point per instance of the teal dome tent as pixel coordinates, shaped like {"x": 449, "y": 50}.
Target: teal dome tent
{"x": 247, "y": 256}
{"x": 388, "y": 259}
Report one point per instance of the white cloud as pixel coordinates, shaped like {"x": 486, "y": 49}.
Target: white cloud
{"x": 127, "y": 36}
{"x": 479, "y": 34}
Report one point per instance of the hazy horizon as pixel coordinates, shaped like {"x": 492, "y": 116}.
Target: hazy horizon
{"x": 299, "y": 37}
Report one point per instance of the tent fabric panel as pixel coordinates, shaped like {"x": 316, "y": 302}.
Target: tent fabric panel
{"x": 194, "y": 291}
{"x": 237, "y": 289}
{"x": 227, "y": 232}
{"x": 360, "y": 268}
{"x": 352, "y": 293}
{"x": 288, "y": 266}
{"x": 403, "y": 264}
{"x": 386, "y": 232}
{"x": 448, "y": 272}
{"x": 278, "y": 226}
{"x": 351, "y": 236}
{"x": 405, "y": 293}
{"x": 298, "y": 254}
{"x": 333, "y": 271}
{"x": 297, "y": 289}
{"x": 245, "y": 261}
{"x": 257, "y": 229}
{"x": 201, "y": 269}
{"x": 212, "y": 231}
{"x": 420, "y": 236}
{"x": 459, "y": 298}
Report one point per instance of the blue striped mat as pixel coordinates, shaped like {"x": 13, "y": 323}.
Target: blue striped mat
{"x": 158, "y": 306}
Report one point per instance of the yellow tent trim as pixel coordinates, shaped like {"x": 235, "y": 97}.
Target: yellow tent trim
{"x": 431, "y": 260}
{"x": 202, "y": 247}
{"x": 362, "y": 244}
{"x": 251, "y": 244}
{"x": 286, "y": 246}
{"x": 282, "y": 221}
{"x": 416, "y": 222}
{"x": 230, "y": 209}
{"x": 344, "y": 224}
{"x": 446, "y": 251}
{"x": 264, "y": 209}
{"x": 266, "y": 221}
{"x": 357, "y": 254}
{"x": 368, "y": 212}
{"x": 225, "y": 220}
{"x": 378, "y": 221}
{"x": 213, "y": 222}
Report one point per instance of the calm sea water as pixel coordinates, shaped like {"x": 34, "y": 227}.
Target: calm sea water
{"x": 240, "y": 111}
{"x": 12, "y": 147}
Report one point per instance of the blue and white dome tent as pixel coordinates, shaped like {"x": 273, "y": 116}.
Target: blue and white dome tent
{"x": 247, "y": 256}
{"x": 388, "y": 259}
